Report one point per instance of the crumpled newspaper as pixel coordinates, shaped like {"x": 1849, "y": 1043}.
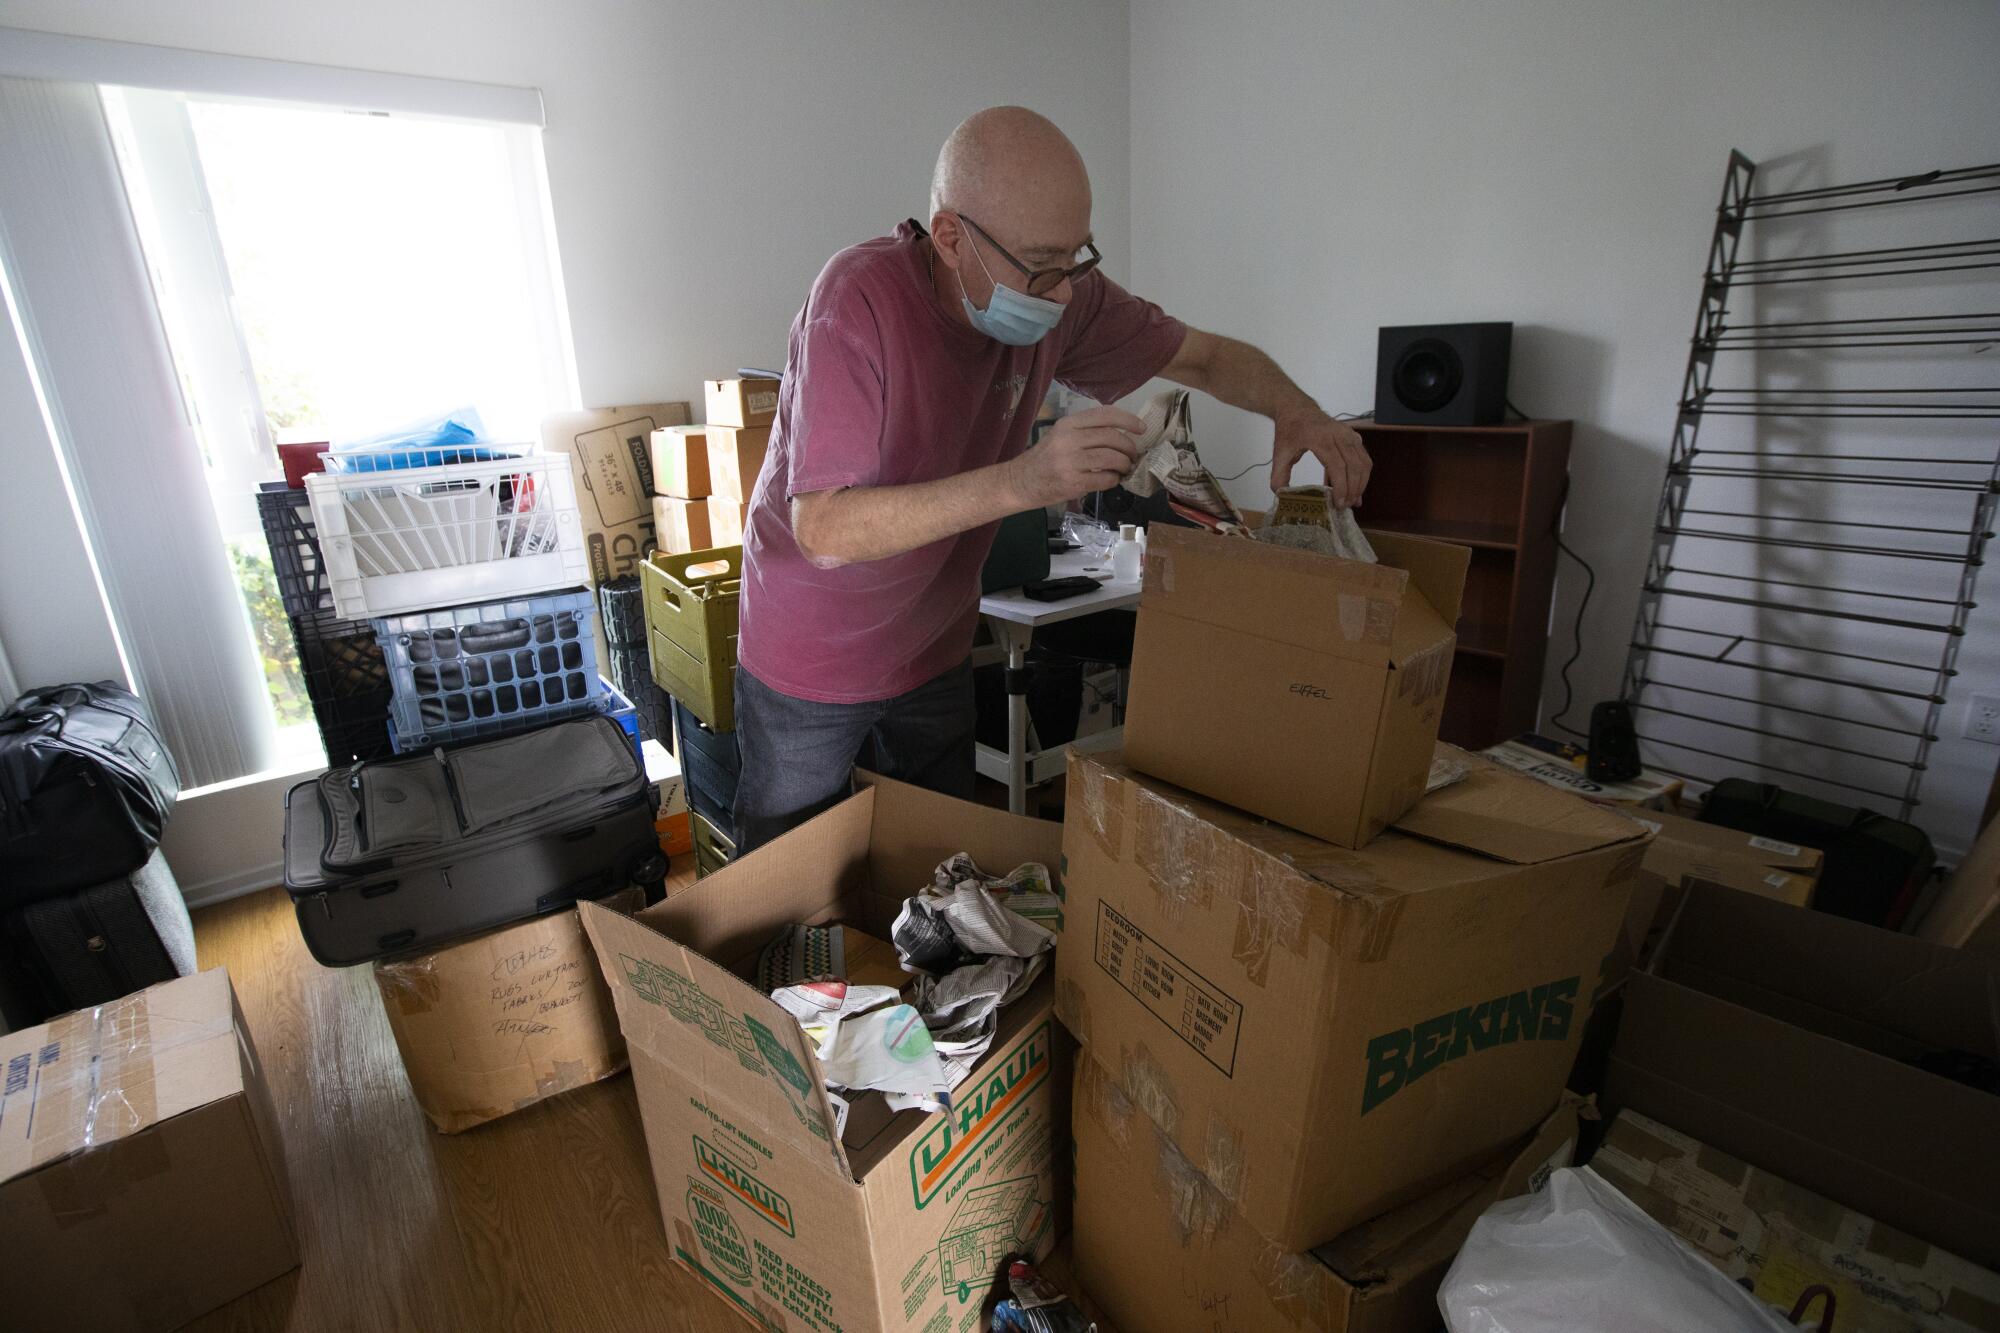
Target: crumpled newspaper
{"x": 1306, "y": 518}
{"x": 974, "y": 942}
{"x": 1168, "y": 461}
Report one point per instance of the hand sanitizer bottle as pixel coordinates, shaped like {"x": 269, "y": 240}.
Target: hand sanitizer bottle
{"x": 1127, "y": 555}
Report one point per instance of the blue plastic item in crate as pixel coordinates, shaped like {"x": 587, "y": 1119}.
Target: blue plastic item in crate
{"x": 616, "y": 707}
{"x": 490, "y": 667}
{"x": 435, "y": 455}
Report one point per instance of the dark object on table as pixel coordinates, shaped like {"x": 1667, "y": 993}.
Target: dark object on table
{"x": 1614, "y": 744}
{"x": 94, "y": 945}
{"x": 414, "y": 852}
{"x": 1442, "y": 374}
{"x": 1058, "y": 590}
{"x": 711, "y": 764}
{"x": 1020, "y": 552}
{"x": 85, "y": 788}
{"x": 1875, "y": 866}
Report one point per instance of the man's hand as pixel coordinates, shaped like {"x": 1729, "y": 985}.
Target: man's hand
{"x": 1089, "y": 451}
{"x": 1337, "y": 447}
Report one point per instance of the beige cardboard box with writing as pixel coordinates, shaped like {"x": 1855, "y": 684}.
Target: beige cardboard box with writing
{"x": 899, "y": 1225}
{"x": 1328, "y": 1033}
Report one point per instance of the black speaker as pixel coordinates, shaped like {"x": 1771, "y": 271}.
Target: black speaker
{"x": 1442, "y": 374}
{"x": 1614, "y": 743}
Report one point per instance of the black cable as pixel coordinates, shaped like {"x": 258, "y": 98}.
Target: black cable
{"x": 1569, "y": 691}
{"x": 1340, "y": 416}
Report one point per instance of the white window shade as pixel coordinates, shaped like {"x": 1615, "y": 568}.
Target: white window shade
{"x": 93, "y": 331}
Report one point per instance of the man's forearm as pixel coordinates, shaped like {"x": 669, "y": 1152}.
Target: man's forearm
{"x": 1242, "y": 376}
{"x": 875, "y": 522}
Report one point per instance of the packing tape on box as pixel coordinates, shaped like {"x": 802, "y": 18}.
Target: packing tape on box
{"x": 1182, "y": 854}
{"x": 1073, "y": 1009}
{"x": 1424, "y": 677}
{"x": 1224, "y": 1161}
{"x": 83, "y": 1187}
{"x": 1159, "y": 571}
{"x": 93, "y": 1075}
{"x": 411, "y": 984}
{"x": 1101, "y": 797}
{"x": 1270, "y": 911}
{"x": 1146, "y": 1083}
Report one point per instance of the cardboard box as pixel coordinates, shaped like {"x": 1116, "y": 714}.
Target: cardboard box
{"x": 726, "y": 520}
{"x": 501, "y": 1021}
{"x": 1328, "y": 1034}
{"x": 741, "y": 402}
{"x": 611, "y": 449}
{"x": 1791, "y": 1039}
{"x": 142, "y": 1182}
{"x": 672, "y": 819}
{"x": 735, "y": 457}
{"x": 1777, "y": 1238}
{"x": 1142, "y": 1210}
{"x": 1685, "y": 850}
{"x": 1561, "y": 764}
{"x": 1967, "y": 914}
{"x": 680, "y": 462}
{"x": 796, "y": 1229}
{"x": 1298, "y": 686}
{"x": 685, "y": 525}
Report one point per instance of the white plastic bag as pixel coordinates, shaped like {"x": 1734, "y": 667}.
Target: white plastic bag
{"x": 1579, "y": 1255}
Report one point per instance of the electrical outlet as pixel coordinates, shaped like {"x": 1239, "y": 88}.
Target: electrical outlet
{"x": 1982, "y": 719}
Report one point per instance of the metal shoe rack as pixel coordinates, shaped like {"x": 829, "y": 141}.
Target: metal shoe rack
{"x": 1813, "y": 564}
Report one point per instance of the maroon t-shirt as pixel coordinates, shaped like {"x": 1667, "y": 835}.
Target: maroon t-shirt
{"x": 882, "y": 389}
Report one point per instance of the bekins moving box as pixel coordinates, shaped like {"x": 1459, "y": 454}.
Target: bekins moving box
{"x": 503, "y": 1020}
{"x": 741, "y": 402}
{"x": 735, "y": 457}
{"x": 1777, "y": 1239}
{"x": 1683, "y": 850}
{"x": 1330, "y": 1033}
{"x": 794, "y": 1228}
{"x": 680, "y": 462}
{"x": 1792, "y": 1040}
{"x": 1967, "y": 914}
{"x": 141, "y": 1177}
{"x": 1159, "y": 1248}
{"x": 1298, "y": 686}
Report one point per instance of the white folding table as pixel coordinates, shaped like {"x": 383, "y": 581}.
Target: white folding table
{"x": 1012, "y": 616}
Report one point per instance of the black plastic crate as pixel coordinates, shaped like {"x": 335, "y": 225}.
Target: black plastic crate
{"x": 294, "y": 543}
{"x": 718, "y": 747}
{"x": 718, "y": 812}
{"x": 356, "y": 727}
{"x": 339, "y": 659}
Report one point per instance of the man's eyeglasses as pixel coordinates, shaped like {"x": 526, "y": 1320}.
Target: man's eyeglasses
{"x": 1040, "y": 280}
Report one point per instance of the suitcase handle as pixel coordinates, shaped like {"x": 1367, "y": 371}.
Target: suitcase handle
{"x": 378, "y": 890}
{"x": 579, "y": 834}
{"x": 590, "y": 886}
{"x": 391, "y": 943}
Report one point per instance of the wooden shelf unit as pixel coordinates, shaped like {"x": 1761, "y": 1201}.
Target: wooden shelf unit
{"x": 1498, "y": 490}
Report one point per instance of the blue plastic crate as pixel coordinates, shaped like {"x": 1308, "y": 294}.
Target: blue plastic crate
{"x": 616, "y": 707}
{"x": 490, "y": 668}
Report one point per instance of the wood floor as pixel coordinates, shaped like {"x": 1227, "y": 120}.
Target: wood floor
{"x": 545, "y": 1219}
{"x": 542, "y": 1220}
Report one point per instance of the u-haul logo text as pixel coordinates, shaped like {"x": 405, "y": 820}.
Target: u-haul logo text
{"x": 978, "y": 1109}
{"x": 735, "y": 1180}
{"x": 1398, "y": 1059}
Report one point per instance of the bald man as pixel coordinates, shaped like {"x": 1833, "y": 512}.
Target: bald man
{"x": 914, "y": 375}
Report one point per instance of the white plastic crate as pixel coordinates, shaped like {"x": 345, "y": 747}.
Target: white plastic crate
{"x": 415, "y": 538}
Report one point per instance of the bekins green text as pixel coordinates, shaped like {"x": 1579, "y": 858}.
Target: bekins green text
{"x": 1398, "y": 1059}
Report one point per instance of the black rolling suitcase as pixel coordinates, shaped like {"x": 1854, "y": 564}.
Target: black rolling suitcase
{"x": 1875, "y": 866}
{"x": 94, "y": 945}
{"x": 391, "y": 855}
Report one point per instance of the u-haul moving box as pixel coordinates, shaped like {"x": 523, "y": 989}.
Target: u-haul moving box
{"x": 902, "y": 1226}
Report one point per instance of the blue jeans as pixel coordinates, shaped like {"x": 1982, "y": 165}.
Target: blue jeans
{"x": 799, "y": 756}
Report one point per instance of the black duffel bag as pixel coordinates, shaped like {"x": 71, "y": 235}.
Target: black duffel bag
{"x": 85, "y": 788}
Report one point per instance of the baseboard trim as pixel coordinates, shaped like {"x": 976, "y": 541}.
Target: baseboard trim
{"x": 234, "y": 886}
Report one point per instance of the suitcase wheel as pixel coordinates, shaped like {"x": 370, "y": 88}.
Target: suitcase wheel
{"x": 652, "y": 870}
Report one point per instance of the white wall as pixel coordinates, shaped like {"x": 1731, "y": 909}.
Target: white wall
{"x": 705, "y": 159}
{"x": 1303, "y": 173}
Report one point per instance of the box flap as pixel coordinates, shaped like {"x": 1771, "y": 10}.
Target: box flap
{"x": 102, "y": 1074}
{"x": 1339, "y": 607}
{"x": 1689, "y": 839}
{"x": 1499, "y": 813}
{"x": 688, "y": 1014}
{"x": 1967, "y": 913}
{"x": 1888, "y": 992}
{"x": 1436, "y": 569}
{"x": 914, "y": 831}
{"x": 1386, "y": 1252}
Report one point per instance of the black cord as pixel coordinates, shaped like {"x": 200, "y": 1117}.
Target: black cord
{"x": 1576, "y": 635}
{"x": 1339, "y": 416}
{"x": 1519, "y": 415}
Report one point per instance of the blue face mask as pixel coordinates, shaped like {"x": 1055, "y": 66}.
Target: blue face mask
{"x": 1011, "y": 317}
